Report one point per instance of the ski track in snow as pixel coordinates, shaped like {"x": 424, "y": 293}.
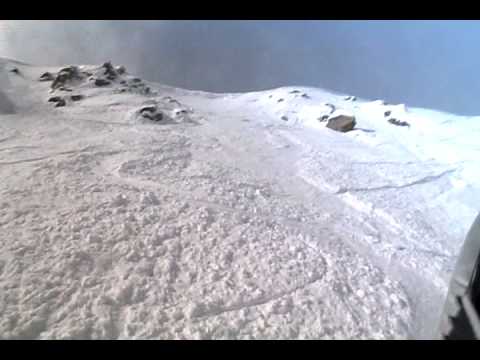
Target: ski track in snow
{"x": 224, "y": 223}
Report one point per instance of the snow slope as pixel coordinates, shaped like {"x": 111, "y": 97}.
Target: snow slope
{"x": 238, "y": 216}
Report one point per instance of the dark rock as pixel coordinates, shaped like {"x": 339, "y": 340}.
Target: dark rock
{"x": 66, "y": 74}
{"x": 280, "y": 100}
{"x": 305, "y": 96}
{"x": 59, "y": 80}
{"x": 350, "y": 98}
{"x": 123, "y": 82}
{"x": 62, "y": 88}
{"x": 341, "y": 122}
{"x": 108, "y": 66}
{"x": 181, "y": 112}
{"x": 387, "y": 113}
{"x": 15, "y": 71}
{"x": 147, "y": 90}
{"x": 76, "y": 97}
{"x": 121, "y": 70}
{"x": 46, "y": 77}
{"x": 398, "y": 122}
{"x": 55, "y": 99}
{"x": 154, "y": 117}
{"x": 323, "y": 118}
{"x": 284, "y": 118}
{"x": 102, "y": 82}
{"x": 150, "y": 109}
{"x": 295, "y": 92}
{"x": 69, "y": 69}
{"x": 109, "y": 71}
{"x": 60, "y": 103}
{"x": 136, "y": 80}
{"x": 331, "y": 106}
{"x": 151, "y": 113}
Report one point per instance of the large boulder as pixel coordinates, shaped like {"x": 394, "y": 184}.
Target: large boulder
{"x": 341, "y": 122}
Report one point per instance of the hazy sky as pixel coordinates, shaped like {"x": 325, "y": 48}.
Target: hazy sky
{"x": 421, "y": 63}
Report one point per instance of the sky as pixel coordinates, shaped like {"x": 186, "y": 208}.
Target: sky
{"x": 431, "y": 64}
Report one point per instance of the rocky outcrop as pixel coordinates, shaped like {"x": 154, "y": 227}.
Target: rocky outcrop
{"x": 151, "y": 113}
{"x": 65, "y": 75}
{"x": 110, "y": 72}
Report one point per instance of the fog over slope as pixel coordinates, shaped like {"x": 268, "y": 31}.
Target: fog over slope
{"x": 429, "y": 64}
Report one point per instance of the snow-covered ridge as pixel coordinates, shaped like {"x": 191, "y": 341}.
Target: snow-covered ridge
{"x": 129, "y": 209}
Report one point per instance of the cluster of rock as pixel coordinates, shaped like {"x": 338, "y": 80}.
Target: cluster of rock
{"x": 393, "y": 120}
{"x": 398, "y": 122}
{"x": 70, "y": 74}
{"x": 102, "y": 76}
{"x": 135, "y": 85}
{"x": 164, "y": 112}
{"x": 65, "y": 76}
{"x": 60, "y": 101}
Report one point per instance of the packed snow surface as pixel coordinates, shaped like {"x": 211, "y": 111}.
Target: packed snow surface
{"x": 141, "y": 211}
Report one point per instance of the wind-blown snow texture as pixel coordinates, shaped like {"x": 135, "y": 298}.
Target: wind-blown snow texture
{"x": 239, "y": 217}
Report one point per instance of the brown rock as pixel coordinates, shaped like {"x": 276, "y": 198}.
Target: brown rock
{"x": 341, "y": 122}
